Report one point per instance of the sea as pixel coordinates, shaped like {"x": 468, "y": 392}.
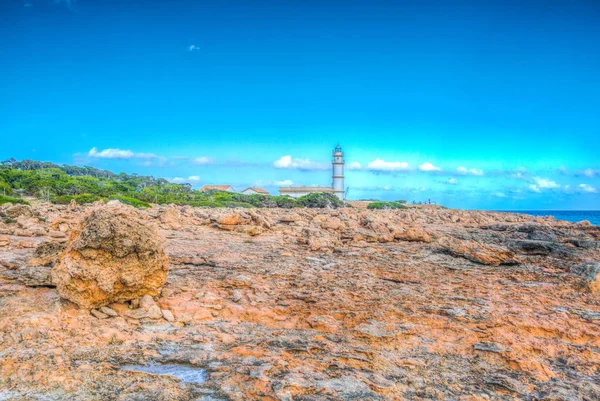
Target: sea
{"x": 593, "y": 216}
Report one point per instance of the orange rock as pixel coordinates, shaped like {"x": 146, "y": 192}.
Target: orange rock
{"x": 229, "y": 219}
{"x": 116, "y": 256}
{"x": 412, "y": 234}
{"x": 486, "y": 254}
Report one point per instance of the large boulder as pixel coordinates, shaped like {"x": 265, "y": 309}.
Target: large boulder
{"x": 114, "y": 256}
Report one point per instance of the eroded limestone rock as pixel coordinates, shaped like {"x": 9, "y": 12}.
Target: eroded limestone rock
{"x": 115, "y": 256}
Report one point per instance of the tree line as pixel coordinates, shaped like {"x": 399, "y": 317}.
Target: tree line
{"x": 61, "y": 184}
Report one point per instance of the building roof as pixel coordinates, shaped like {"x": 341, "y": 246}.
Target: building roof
{"x": 292, "y": 190}
{"x": 257, "y": 190}
{"x": 215, "y": 188}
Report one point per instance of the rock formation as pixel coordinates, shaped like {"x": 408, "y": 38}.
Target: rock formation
{"x": 422, "y": 303}
{"x": 115, "y": 256}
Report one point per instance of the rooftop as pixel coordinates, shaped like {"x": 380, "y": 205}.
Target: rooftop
{"x": 257, "y": 190}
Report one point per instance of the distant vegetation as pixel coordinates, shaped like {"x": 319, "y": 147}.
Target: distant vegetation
{"x": 61, "y": 183}
{"x": 387, "y": 205}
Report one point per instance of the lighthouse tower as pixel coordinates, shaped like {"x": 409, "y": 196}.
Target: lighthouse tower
{"x": 338, "y": 172}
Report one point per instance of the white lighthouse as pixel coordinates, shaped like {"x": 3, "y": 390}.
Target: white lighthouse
{"x": 338, "y": 172}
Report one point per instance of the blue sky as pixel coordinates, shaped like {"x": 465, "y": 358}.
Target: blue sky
{"x": 472, "y": 104}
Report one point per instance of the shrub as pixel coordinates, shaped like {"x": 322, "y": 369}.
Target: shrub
{"x": 130, "y": 201}
{"x": 320, "y": 200}
{"x": 385, "y": 205}
{"x": 10, "y": 199}
{"x": 237, "y": 204}
{"x": 86, "y": 198}
{"x": 5, "y": 187}
{"x": 286, "y": 202}
{"x": 61, "y": 200}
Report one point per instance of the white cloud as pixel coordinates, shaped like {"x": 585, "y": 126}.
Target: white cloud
{"x": 190, "y": 180}
{"x": 120, "y": 154}
{"x": 466, "y": 171}
{"x": 588, "y": 172}
{"x": 382, "y": 165}
{"x": 354, "y": 166}
{"x": 452, "y": 181}
{"x": 193, "y": 48}
{"x": 587, "y": 188}
{"x": 284, "y": 183}
{"x": 499, "y": 194}
{"x": 111, "y": 153}
{"x": 429, "y": 167}
{"x": 545, "y": 183}
{"x": 203, "y": 160}
{"x": 542, "y": 183}
{"x": 288, "y": 162}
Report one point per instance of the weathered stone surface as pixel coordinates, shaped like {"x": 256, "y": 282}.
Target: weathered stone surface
{"x": 36, "y": 276}
{"x": 230, "y": 219}
{"x": 4, "y": 241}
{"x": 19, "y": 210}
{"x": 590, "y": 271}
{"x": 108, "y": 311}
{"x": 46, "y": 253}
{"x": 167, "y": 315}
{"x": 306, "y": 311}
{"x": 116, "y": 256}
{"x": 412, "y": 234}
{"x": 486, "y": 254}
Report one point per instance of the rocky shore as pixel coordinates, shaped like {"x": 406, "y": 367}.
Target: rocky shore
{"x": 304, "y": 304}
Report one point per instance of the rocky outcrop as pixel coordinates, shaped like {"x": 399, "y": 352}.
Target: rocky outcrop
{"x": 19, "y": 210}
{"x": 345, "y": 304}
{"x": 485, "y": 254}
{"x": 115, "y": 256}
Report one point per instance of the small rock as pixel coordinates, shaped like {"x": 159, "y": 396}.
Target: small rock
{"x": 98, "y": 314}
{"x": 236, "y": 296}
{"x": 56, "y": 234}
{"x": 154, "y": 312}
{"x": 168, "y": 315}
{"x": 108, "y": 311}
{"x": 146, "y": 302}
{"x": 4, "y": 241}
{"x": 138, "y": 313}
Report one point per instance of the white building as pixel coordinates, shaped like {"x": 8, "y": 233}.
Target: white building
{"x": 296, "y": 192}
{"x": 337, "y": 184}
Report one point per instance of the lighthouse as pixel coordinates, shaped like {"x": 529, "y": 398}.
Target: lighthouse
{"x": 338, "y": 172}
